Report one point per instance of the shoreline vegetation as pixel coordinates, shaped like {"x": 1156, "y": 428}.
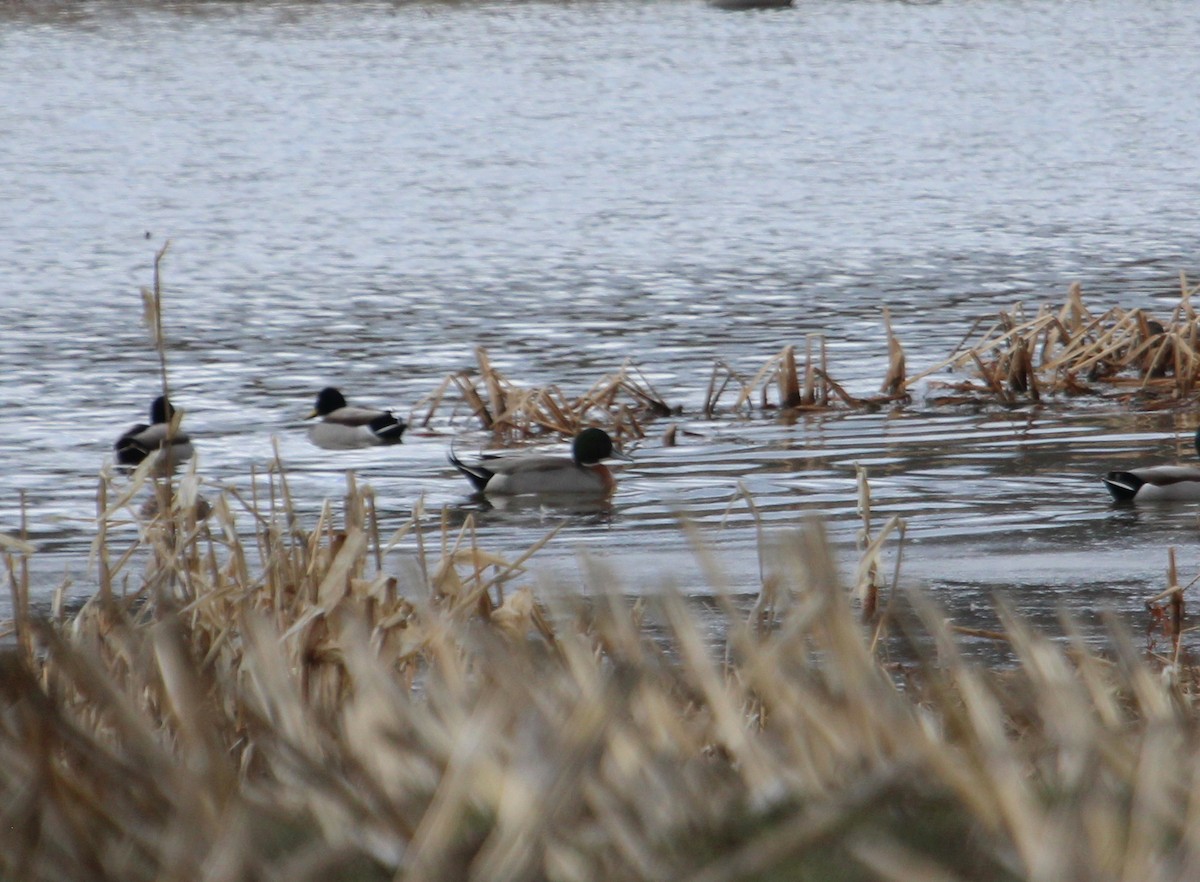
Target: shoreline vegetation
{"x": 294, "y": 706}
{"x": 249, "y": 696}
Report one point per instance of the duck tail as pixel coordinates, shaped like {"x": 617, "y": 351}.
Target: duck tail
{"x": 476, "y": 474}
{"x": 129, "y": 451}
{"x": 387, "y": 428}
{"x": 1123, "y": 486}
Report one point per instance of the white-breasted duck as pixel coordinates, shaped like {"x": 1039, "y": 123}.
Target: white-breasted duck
{"x": 1161, "y": 483}
{"x": 519, "y": 474}
{"x": 141, "y": 440}
{"x": 344, "y": 426}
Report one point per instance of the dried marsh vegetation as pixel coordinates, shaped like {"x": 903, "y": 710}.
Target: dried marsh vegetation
{"x": 255, "y": 697}
{"x": 625, "y": 401}
{"x": 308, "y": 703}
{"x": 620, "y": 402}
{"x": 807, "y": 386}
{"x": 1067, "y": 351}
{"x": 1128, "y": 355}
{"x": 1064, "y": 351}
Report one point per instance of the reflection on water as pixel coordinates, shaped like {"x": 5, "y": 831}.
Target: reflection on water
{"x": 595, "y": 510}
{"x": 359, "y": 194}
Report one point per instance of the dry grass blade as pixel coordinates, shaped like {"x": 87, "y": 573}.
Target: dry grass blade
{"x": 468, "y": 391}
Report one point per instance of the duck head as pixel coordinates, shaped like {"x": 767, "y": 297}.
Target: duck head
{"x": 593, "y": 445}
{"x": 161, "y": 410}
{"x": 329, "y": 399}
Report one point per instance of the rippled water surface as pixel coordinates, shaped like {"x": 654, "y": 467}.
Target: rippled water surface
{"x": 361, "y": 193}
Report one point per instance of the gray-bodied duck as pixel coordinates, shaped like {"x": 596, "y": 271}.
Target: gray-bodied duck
{"x": 520, "y": 474}
{"x": 344, "y": 426}
{"x": 141, "y": 440}
{"x": 1161, "y": 483}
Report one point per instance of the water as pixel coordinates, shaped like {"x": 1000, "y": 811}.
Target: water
{"x": 361, "y": 193}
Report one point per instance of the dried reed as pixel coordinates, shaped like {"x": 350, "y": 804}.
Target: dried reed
{"x": 1065, "y": 351}
{"x": 257, "y": 698}
{"x": 806, "y": 387}
{"x": 619, "y": 402}
{"x": 1125, "y": 354}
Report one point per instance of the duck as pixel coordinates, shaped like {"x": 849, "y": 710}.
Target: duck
{"x": 141, "y": 440}
{"x": 521, "y": 474}
{"x": 344, "y": 426}
{"x": 1161, "y": 483}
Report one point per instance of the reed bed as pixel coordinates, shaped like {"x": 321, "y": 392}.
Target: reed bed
{"x": 783, "y": 384}
{"x": 1128, "y": 355}
{"x": 1065, "y": 351}
{"x": 624, "y": 402}
{"x": 248, "y": 696}
{"x": 620, "y": 402}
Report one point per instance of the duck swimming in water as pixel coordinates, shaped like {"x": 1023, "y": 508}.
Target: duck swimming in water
{"x": 1161, "y": 483}
{"x": 141, "y": 440}
{"x": 519, "y": 474}
{"x": 343, "y": 426}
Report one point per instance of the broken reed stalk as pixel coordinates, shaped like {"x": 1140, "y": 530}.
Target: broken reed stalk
{"x": 16, "y": 559}
{"x": 160, "y": 461}
{"x": 723, "y": 372}
{"x": 433, "y": 401}
{"x": 295, "y": 710}
{"x": 809, "y": 387}
{"x": 869, "y": 580}
{"x": 492, "y": 383}
{"x": 895, "y": 381}
{"x": 807, "y": 398}
{"x": 1166, "y": 611}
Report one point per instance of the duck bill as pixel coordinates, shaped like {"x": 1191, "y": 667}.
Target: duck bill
{"x": 623, "y": 457}
{"x": 311, "y": 415}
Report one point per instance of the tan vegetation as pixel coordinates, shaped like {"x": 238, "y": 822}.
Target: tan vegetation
{"x": 620, "y": 402}
{"x": 807, "y": 387}
{"x": 1064, "y": 351}
{"x": 1124, "y": 354}
{"x": 248, "y": 696}
{"x": 345, "y": 700}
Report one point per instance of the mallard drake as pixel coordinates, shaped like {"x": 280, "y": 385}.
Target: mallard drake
{"x": 141, "y": 440}
{"x": 519, "y": 474}
{"x": 343, "y": 426}
{"x": 1162, "y": 483}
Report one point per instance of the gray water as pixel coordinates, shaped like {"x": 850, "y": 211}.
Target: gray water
{"x": 361, "y": 193}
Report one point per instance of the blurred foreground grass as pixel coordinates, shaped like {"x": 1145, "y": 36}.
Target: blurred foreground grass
{"x": 287, "y": 707}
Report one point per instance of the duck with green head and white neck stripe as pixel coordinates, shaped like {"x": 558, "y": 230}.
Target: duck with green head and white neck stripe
{"x": 520, "y": 474}
{"x": 1162, "y": 483}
